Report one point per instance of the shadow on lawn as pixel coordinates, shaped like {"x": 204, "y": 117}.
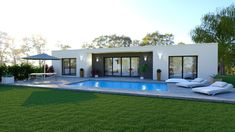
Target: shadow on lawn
{"x": 57, "y": 97}
{"x": 4, "y": 88}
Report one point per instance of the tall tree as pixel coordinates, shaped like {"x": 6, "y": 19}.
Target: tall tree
{"x": 219, "y": 27}
{"x": 88, "y": 46}
{"x": 5, "y": 42}
{"x": 135, "y": 43}
{"x": 109, "y": 41}
{"x": 37, "y": 44}
{"x": 63, "y": 46}
{"x": 157, "y": 38}
{"x": 12, "y": 52}
{"x": 27, "y": 46}
{"x": 15, "y": 54}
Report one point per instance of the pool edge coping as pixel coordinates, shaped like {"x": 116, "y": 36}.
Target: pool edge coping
{"x": 116, "y": 92}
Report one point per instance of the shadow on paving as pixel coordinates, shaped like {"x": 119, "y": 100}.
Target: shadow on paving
{"x": 57, "y": 97}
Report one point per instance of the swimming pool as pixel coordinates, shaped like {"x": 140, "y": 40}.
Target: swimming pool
{"x": 121, "y": 85}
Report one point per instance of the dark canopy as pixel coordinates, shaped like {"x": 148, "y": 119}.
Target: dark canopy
{"x": 41, "y": 57}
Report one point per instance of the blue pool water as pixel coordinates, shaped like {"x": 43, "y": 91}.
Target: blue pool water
{"x": 121, "y": 85}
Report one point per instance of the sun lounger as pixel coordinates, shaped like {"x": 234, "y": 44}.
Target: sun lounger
{"x": 198, "y": 82}
{"x": 215, "y": 88}
{"x": 175, "y": 80}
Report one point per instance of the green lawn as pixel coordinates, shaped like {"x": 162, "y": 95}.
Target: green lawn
{"x": 33, "y": 109}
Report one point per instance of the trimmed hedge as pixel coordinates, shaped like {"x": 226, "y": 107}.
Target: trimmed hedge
{"x": 227, "y": 78}
{"x": 20, "y": 72}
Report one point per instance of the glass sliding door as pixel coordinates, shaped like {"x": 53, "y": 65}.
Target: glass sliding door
{"x": 121, "y": 66}
{"x": 126, "y": 66}
{"x": 65, "y": 67}
{"x": 183, "y": 67}
{"x": 69, "y": 66}
{"x": 134, "y": 66}
{"x": 116, "y": 66}
{"x": 72, "y": 66}
{"x": 108, "y": 66}
{"x": 175, "y": 68}
{"x": 190, "y": 67}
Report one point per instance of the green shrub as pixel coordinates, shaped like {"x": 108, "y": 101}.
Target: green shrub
{"x": 20, "y": 72}
{"x": 143, "y": 68}
{"x": 227, "y": 78}
{"x": 13, "y": 70}
{"x": 3, "y": 70}
{"x": 24, "y": 71}
{"x": 37, "y": 69}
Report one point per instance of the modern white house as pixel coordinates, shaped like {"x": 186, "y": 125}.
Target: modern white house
{"x": 175, "y": 61}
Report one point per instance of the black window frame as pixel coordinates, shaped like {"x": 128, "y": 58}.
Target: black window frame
{"x": 182, "y": 64}
{"x": 63, "y": 70}
{"x": 121, "y": 65}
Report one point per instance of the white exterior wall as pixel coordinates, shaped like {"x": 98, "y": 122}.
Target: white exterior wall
{"x": 207, "y": 57}
{"x": 83, "y": 60}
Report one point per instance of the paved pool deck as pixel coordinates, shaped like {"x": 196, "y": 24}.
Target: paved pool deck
{"x": 173, "y": 92}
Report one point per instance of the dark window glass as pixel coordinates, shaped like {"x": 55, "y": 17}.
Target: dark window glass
{"x": 108, "y": 66}
{"x": 135, "y": 66}
{"x": 183, "y": 67}
{"x": 121, "y": 66}
{"x": 126, "y": 66}
{"x": 117, "y": 66}
{"x": 190, "y": 67}
{"x": 69, "y": 66}
{"x": 175, "y": 68}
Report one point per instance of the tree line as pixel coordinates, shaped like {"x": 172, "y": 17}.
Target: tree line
{"x": 11, "y": 52}
{"x": 113, "y": 41}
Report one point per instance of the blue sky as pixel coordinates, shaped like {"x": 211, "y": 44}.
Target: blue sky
{"x": 74, "y": 22}
{"x": 176, "y": 16}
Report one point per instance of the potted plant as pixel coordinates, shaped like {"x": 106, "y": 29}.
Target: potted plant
{"x": 95, "y": 73}
{"x": 8, "y": 78}
{"x": 159, "y": 74}
{"x": 143, "y": 69}
{"x": 81, "y": 72}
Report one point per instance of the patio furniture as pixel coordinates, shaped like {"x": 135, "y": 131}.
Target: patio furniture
{"x": 43, "y": 57}
{"x": 41, "y": 75}
{"x": 198, "y": 82}
{"x": 175, "y": 80}
{"x": 215, "y": 88}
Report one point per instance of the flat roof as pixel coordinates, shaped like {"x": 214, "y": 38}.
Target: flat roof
{"x": 148, "y": 48}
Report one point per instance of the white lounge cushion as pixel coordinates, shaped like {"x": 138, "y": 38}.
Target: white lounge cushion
{"x": 192, "y": 84}
{"x": 210, "y": 90}
{"x": 198, "y": 80}
{"x": 176, "y": 80}
{"x": 187, "y": 84}
{"x": 219, "y": 84}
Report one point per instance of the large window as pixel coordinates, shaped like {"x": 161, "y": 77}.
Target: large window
{"x": 69, "y": 66}
{"x": 116, "y": 66}
{"x": 108, "y": 66}
{"x": 183, "y": 67}
{"x": 121, "y": 66}
{"x": 126, "y": 66}
{"x": 134, "y": 66}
